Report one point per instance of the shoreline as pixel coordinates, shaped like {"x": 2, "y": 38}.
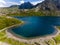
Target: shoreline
{"x": 20, "y": 38}
{"x": 12, "y": 26}
{"x": 22, "y": 22}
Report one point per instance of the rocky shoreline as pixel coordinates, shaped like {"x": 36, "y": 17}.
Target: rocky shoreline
{"x": 31, "y": 41}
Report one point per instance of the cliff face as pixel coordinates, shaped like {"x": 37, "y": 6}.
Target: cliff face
{"x": 49, "y": 5}
{"x": 57, "y": 2}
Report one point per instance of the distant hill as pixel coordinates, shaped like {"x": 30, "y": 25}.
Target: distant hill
{"x": 14, "y": 6}
{"x": 26, "y": 5}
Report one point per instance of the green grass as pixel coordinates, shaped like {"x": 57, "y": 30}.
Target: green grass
{"x": 57, "y": 39}
{"x": 33, "y": 13}
{"x": 10, "y": 40}
{"x": 2, "y": 34}
{"x": 51, "y": 42}
{"x": 6, "y": 22}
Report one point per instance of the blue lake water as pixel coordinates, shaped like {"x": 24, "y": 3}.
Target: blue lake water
{"x": 36, "y": 26}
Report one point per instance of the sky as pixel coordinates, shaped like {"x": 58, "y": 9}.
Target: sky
{"x": 6, "y": 3}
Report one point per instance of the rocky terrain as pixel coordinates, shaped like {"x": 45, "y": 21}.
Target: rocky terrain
{"x": 48, "y": 6}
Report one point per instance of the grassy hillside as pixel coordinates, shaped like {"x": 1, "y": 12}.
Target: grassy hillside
{"x": 28, "y": 12}
{"x": 7, "y": 21}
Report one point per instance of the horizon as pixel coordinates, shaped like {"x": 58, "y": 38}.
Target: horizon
{"x": 7, "y": 3}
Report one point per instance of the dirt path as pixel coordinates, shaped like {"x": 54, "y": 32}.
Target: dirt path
{"x": 3, "y": 43}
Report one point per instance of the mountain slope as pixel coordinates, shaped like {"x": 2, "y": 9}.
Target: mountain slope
{"x": 13, "y": 6}
{"x": 49, "y": 5}
{"x": 26, "y": 5}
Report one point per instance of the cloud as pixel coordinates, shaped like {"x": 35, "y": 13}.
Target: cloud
{"x": 33, "y": 2}
{"x": 39, "y": 1}
{"x": 13, "y": 3}
{"x": 2, "y": 3}
{"x": 22, "y": 1}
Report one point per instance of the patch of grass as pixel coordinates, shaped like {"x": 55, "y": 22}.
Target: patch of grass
{"x": 5, "y": 22}
{"x": 12, "y": 41}
{"x": 57, "y": 39}
{"x": 51, "y": 42}
{"x": 2, "y": 34}
{"x": 33, "y": 13}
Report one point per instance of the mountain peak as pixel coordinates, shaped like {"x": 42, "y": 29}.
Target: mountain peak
{"x": 26, "y": 5}
{"x": 45, "y": 5}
